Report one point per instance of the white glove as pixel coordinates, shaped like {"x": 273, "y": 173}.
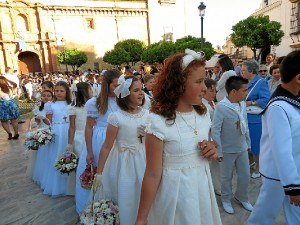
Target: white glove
{"x": 141, "y": 130}
{"x": 69, "y": 148}
{"x": 97, "y": 180}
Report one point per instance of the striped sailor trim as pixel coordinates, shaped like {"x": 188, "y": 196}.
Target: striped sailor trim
{"x": 292, "y": 189}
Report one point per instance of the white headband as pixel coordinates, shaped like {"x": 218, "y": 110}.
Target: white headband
{"x": 191, "y": 56}
{"x": 123, "y": 87}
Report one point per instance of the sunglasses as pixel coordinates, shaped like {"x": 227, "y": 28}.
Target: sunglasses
{"x": 262, "y": 71}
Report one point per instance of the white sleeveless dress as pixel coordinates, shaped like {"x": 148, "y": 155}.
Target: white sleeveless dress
{"x": 125, "y": 166}
{"x": 185, "y": 194}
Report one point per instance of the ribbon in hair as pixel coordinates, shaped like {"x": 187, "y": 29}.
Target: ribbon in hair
{"x": 191, "y": 56}
{"x": 123, "y": 87}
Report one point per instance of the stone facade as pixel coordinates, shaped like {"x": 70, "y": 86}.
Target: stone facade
{"x": 33, "y": 32}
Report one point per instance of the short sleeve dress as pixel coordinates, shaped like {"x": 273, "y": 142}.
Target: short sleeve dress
{"x": 98, "y": 137}
{"x": 125, "y": 166}
{"x": 54, "y": 183}
{"x": 185, "y": 194}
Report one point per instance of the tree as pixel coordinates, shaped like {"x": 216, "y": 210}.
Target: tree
{"x": 133, "y": 47}
{"x": 158, "y": 52}
{"x": 72, "y": 57}
{"x": 258, "y": 33}
{"x": 116, "y": 57}
{"x": 194, "y": 44}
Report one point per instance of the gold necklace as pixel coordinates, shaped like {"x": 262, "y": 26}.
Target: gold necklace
{"x": 194, "y": 129}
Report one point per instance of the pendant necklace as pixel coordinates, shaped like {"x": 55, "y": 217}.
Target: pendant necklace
{"x": 194, "y": 129}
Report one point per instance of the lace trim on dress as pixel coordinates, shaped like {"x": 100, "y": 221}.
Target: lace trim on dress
{"x": 136, "y": 115}
{"x": 156, "y": 134}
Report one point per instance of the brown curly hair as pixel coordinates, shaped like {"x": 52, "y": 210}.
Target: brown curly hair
{"x": 169, "y": 86}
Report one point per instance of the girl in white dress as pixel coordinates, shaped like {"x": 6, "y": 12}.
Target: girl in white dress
{"x": 77, "y": 115}
{"x": 39, "y": 114}
{"x": 54, "y": 183}
{"x": 123, "y": 153}
{"x": 98, "y": 110}
{"x": 177, "y": 187}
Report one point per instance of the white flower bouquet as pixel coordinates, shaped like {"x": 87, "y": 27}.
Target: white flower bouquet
{"x": 66, "y": 162}
{"x": 102, "y": 212}
{"x": 39, "y": 137}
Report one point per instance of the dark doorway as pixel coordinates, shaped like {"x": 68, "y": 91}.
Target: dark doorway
{"x": 264, "y": 55}
{"x": 29, "y": 62}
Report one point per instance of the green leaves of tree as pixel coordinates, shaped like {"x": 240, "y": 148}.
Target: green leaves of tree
{"x": 257, "y": 33}
{"x": 72, "y": 57}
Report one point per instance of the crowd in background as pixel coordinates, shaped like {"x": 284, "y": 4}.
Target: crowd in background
{"x": 238, "y": 86}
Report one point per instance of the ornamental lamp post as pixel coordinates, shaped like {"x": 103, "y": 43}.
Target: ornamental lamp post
{"x": 201, "y": 9}
{"x": 63, "y": 41}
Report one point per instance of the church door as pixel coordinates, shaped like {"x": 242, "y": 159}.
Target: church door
{"x": 29, "y": 62}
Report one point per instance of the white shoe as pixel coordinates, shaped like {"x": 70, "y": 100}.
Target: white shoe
{"x": 228, "y": 207}
{"x": 247, "y": 205}
{"x": 255, "y": 175}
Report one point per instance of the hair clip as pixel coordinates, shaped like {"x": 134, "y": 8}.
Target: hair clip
{"x": 191, "y": 56}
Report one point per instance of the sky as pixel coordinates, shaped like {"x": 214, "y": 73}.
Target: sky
{"x": 220, "y": 16}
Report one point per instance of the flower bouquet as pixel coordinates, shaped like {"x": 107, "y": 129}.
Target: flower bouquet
{"x": 39, "y": 137}
{"x": 102, "y": 212}
{"x": 66, "y": 162}
{"x": 87, "y": 177}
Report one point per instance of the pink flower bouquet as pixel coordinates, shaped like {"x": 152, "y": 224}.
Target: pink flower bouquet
{"x": 66, "y": 163}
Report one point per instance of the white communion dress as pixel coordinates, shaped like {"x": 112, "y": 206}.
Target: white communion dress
{"x": 125, "y": 166}
{"x": 78, "y": 141}
{"x": 185, "y": 194}
{"x": 54, "y": 183}
{"x": 98, "y": 137}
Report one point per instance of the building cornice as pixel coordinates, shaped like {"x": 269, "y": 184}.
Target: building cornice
{"x": 267, "y": 8}
{"x": 96, "y": 10}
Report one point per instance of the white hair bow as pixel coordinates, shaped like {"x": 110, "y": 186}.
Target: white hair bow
{"x": 191, "y": 56}
{"x": 123, "y": 87}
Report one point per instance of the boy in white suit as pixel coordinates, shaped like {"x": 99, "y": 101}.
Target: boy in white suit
{"x": 280, "y": 150}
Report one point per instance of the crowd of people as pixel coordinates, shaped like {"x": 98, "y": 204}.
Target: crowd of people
{"x": 165, "y": 140}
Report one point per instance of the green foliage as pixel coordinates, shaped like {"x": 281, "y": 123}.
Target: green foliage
{"x": 72, "y": 57}
{"x": 194, "y": 44}
{"x": 257, "y": 33}
{"x": 133, "y": 47}
{"x": 158, "y": 52}
{"x": 116, "y": 56}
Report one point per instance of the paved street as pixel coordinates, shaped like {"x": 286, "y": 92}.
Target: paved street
{"x": 22, "y": 201}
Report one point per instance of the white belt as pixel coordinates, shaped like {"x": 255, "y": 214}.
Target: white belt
{"x": 184, "y": 161}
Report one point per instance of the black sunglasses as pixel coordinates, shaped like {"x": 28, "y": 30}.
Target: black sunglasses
{"x": 262, "y": 71}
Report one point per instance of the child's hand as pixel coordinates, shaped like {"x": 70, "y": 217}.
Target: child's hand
{"x": 89, "y": 158}
{"x": 208, "y": 149}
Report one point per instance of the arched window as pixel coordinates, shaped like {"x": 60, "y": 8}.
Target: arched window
{"x": 22, "y": 23}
